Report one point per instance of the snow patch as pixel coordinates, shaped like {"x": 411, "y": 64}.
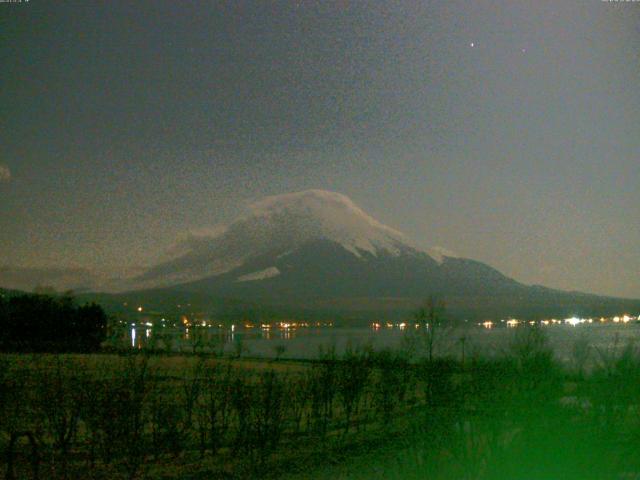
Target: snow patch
{"x": 439, "y": 254}
{"x": 259, "y": 275}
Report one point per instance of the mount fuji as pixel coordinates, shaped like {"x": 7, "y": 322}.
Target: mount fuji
{"x": 316, "y": 250}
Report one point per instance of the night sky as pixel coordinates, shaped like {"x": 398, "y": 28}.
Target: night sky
{"x": 507, "y": 132}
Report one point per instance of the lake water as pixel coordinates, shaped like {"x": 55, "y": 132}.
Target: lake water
{"x": 307, "y": 342}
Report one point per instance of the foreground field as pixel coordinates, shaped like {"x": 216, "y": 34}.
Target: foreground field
{"x": 361, "y": 415}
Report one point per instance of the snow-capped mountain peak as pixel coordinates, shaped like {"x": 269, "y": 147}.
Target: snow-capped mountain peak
{"x": 313, "y": 214}
{"x": 277, "y": 225}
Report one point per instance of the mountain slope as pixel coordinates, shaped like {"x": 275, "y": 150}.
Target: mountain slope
{"x": 323, "y": 268}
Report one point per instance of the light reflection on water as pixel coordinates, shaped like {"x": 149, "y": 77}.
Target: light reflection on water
{"x": 306, "y": 342}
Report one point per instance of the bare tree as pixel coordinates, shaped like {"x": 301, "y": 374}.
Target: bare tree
{"x": 431, "y": 321}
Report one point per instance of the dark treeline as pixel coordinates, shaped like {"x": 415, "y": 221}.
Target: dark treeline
{"x": 46, "y": 323}
{"x": 519, "y": 415}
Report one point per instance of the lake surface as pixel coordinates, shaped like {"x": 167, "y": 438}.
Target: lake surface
{"x": 307, "y": 342}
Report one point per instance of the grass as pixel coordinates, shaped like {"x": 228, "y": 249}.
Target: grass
{"x": 362, "y": 415}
